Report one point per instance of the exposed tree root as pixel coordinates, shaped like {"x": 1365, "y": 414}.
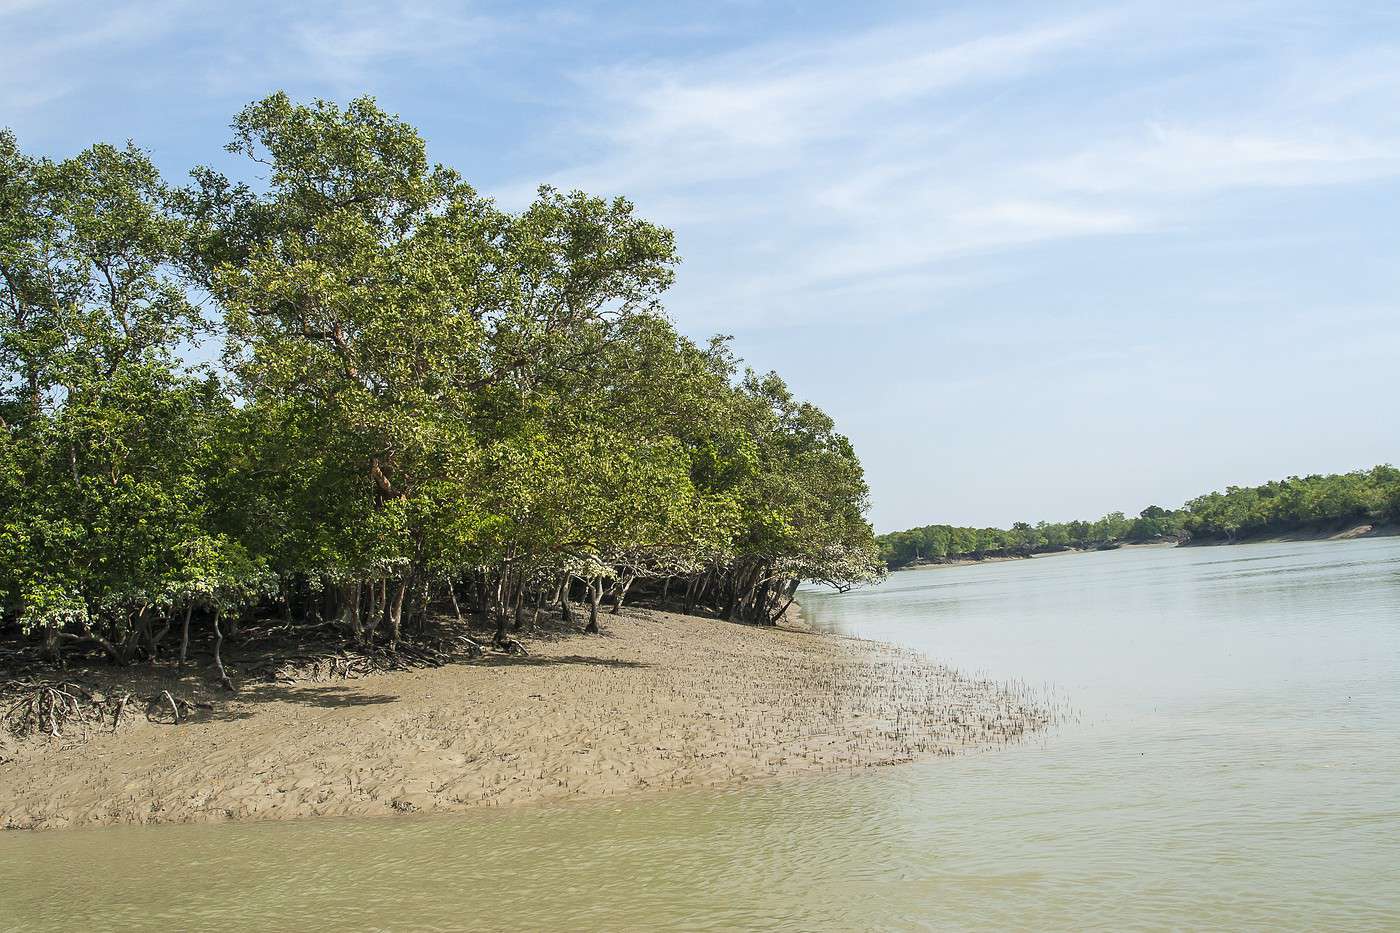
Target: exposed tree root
{"x": 70, "y": 710}
{"x": 179, "y": 709}
{"x": 474, "y": 649}
{"x": 510, "y": 646}
{"x": 352, "y": 662}
{"x": 46, "y": 708}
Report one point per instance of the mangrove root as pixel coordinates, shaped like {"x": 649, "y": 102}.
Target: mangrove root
{"x": 42, "y": 707}
{"x": 510, "y": 646}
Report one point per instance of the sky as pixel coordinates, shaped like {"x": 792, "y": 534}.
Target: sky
{"x": 1040, "y": 260}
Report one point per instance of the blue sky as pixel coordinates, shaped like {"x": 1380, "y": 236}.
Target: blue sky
{"x": 1039, "y": 260}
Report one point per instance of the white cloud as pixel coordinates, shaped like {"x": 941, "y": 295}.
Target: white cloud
{"x": 1186, "y": 160}
{"x": 49, "y": 50}
{"x": 799, "y": 170}
{"x": 895, "y": 153}
{"x": 744, "y": 114}
{"x": 344, "y": 49}
{"x": 47, "y": 56}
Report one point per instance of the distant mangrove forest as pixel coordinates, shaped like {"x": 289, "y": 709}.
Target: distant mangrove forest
{"x": 1299, "y": 504}
{"x": 348, "y": 391}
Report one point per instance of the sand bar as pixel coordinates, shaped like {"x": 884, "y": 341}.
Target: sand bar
{"x": 658, "y": 701}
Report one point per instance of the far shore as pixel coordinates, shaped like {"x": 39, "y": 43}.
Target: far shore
{"x": 1005, "y": 558}
{"x": 658, "y": 701}
{"x": 1349, "y": 533}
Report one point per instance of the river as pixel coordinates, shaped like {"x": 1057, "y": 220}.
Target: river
{"x": 1228, "y": 757}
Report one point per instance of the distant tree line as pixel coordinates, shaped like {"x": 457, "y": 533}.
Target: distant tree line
{"x": 420, "y": 400}
{"x": 1296, "y": 504}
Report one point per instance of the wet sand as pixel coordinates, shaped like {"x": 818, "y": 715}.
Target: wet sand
{"x": 657, "y": 701}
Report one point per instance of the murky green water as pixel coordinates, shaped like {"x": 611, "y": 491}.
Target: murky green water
{"x": 1235, "y": 764}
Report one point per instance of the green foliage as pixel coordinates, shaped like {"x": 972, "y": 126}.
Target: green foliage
{"x": 1296, "y": 504}
{"x": 417, "y": 388}
{"x": 108, "y": 517}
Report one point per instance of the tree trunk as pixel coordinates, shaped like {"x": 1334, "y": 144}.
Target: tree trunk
{"x": 328, "y": 606}
{"x": 352, "y": 608}
{"x": 622, "y": 589}
{"x": 396, "y": 614}
{"x": 53, "y": 645}
{"x": 133, "y": 638}
{"x": 498, "y": 608}
{"x": 789, "y": 592}
{"x": 159, "y": 637}
{"x": 456, "y": 606}
{"x": 143, "y": 628}
{"x": 375, "y": 615}
{"x": 704, "y": 589}
{"x": 595, "y": 595}
{"x": 762, "y": 602}
{"x": 185, "y": 634}
{"x": 566, "y": 611}
{"x": 519, "y": 605}
{"x": 218, "y": 656}
{"x": 420, "y": 611}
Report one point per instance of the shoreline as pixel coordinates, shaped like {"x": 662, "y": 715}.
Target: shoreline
{"x": 1351, "y": 533}
{"x": 1010, "y": 558}
{"x": 1348, "y": 533}
{"x": 658, "y": 701}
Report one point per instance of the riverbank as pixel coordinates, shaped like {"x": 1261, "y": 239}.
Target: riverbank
{"x": 1004, "y": 558}
{"x": 658, "y": 701}
{"x": 1339, "y": 533}
{"x": 1335, "y": 533}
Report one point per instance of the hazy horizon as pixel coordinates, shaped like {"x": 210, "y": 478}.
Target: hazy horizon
{"x": 1045, "y": 262}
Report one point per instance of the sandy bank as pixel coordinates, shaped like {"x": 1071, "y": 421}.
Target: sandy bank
{"x": 658, "y": 701}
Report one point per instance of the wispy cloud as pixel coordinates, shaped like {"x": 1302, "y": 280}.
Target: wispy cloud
{"x": 47, "y": 49}
{"x": 1183, "y": 160}
{"x": 895, "y": 151}
{"x": 799, "y": 166}
{"x": 758, "y": 110}
{"x": 346, "y": 49}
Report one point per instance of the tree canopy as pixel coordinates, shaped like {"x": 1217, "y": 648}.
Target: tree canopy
{"x": 419, "y": 395}
{"x": 1296, "y": 504}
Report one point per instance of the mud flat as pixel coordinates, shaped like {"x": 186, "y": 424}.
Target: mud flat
{"x": 658, "y": 701}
